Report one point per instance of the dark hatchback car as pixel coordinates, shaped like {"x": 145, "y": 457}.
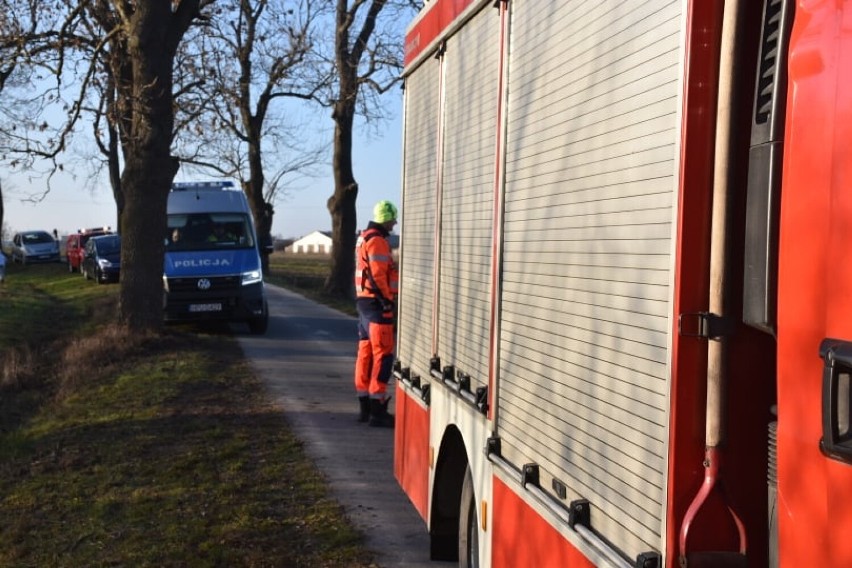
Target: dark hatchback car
{"x": 102, "y": 258}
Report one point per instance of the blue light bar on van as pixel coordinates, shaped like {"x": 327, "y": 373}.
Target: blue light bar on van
{"x": 202, "y": 185}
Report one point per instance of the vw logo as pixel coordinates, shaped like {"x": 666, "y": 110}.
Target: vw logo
{"x": 203, "y": 284}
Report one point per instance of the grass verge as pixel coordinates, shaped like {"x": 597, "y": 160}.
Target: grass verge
{"x": 158, "y": 450}
{"x": 306, "y": 274}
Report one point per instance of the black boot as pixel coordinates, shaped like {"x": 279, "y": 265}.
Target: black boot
{"x": 364, "y": 414}
{"x": 379, "y": 415}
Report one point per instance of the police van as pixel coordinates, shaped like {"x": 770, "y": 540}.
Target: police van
{"x": 212, "y": 266}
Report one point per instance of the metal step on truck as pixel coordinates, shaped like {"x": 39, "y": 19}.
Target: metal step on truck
{"x": 624, "y": 331}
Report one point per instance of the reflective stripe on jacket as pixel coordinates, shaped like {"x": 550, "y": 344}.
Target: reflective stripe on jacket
{"x": 373, "y": 258}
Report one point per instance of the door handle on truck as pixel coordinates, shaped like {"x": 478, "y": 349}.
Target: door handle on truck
{"x": 836, "y": 442}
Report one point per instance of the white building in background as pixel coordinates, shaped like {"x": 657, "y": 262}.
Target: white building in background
{"x": 318, "y": 242}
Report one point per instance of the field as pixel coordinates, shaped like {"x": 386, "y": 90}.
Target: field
{"x": 305, "y": 273}
{"x": 157, "y": 450}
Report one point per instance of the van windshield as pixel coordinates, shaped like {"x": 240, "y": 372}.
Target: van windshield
{"x": 208, "y": 231}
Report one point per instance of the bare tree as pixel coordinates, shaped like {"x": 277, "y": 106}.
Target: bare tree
{"x": 17, "y": 18}
{"x": 144, "y": 38}
{"x": 254, "y": 55}
{"x": 100, "y": 102}
{"x": 55, "y": 50}
{"x": 138, "y": 43}
{"x": 102, "y": 106}
{"x": 5, "y": 72}
{"x": 368, "y": 58}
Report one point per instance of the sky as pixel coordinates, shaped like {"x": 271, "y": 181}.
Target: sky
{"x": 72, "y": 204}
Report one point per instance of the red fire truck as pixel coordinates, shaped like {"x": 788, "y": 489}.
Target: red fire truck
{"x": 624, "y": 331}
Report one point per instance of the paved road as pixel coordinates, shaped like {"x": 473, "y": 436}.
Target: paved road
{"x": 306, "y": 359}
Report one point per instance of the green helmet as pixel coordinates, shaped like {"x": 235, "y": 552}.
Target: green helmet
{"x": 384, "y": 211}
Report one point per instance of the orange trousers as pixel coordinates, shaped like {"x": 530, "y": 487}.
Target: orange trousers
{"x": 374, "y": 365}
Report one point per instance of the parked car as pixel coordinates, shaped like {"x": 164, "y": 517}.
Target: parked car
{"x": 34, "y": 246}
{"x": 102, "y": 258}
{"x": 75, "y": 245}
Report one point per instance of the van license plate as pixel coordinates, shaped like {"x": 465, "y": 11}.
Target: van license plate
{"x": 205, "y": 308}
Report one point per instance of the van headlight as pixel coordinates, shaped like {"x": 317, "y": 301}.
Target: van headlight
{"x": 252, "y": 277}
{"x": 104, "y": 263}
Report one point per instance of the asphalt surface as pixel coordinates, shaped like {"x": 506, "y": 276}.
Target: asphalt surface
{"x": 307, "y": 359}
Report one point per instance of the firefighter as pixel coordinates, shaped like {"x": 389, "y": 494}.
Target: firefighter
{"x": 376, "y": 284}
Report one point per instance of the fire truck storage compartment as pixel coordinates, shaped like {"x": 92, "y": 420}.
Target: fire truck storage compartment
{"x": 588, "y": 255}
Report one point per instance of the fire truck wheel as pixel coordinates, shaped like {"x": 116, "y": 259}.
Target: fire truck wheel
{"x": 468, "y": 526}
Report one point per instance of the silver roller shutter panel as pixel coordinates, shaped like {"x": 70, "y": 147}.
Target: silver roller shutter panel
{"x": 419, "y": 206}
{"x": 590, "y": 208}
{"x": 470, "y": 133}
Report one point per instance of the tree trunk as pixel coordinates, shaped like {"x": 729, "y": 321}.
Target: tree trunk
{"x": 341, "y": 205}
{"x": 147, "y": 180}
{"x": 111, "y": 150}
{"x": 262, "y": 212}
{"x": 253, "y": 189}
{"x": 114, "y": 168}
{"x": 146, "y": 105}
{"x": 264, "y": 234}
{"x": 1, "y": 215}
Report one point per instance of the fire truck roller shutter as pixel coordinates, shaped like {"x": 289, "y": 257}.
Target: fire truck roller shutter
{"x": 418, "y": 215}
{"x": 590, "y": 211}
{"x": 467, "y": 205}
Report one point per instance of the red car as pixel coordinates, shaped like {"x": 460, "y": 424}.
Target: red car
{"x": 75, "y": 244}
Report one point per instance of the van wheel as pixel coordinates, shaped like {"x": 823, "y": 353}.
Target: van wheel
{"x": 468, "y": 525}
{"x": 258, "y": 326}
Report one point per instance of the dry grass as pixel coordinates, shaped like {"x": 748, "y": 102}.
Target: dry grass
{"x": 18, "y": 368}
{"x": 161, "y": 450}
{"x": 107, "y": 351}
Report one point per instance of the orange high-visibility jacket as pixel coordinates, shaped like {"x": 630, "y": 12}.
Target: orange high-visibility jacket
{"x": 376, "y": 274}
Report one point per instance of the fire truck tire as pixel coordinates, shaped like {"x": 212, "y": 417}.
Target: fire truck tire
{"x": 468, "y": 526}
